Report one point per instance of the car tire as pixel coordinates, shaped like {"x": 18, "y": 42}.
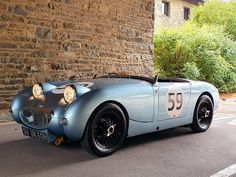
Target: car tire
{"x": 105, "y": 131}
{"x": 203, "y": 114}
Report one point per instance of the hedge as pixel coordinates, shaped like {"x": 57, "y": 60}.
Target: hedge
{"x": 199, "y": 53}
{"x": 202, "y": 49}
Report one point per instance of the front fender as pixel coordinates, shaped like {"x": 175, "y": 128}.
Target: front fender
{"x": 20, "y": 99}
{"x": 79, "y": 112}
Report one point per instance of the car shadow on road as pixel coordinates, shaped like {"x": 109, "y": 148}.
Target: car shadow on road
{"x": 157, "y": 136}
{"x": 28, "y": 156}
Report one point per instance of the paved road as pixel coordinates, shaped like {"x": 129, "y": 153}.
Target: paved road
{"x": 174, "y": 153}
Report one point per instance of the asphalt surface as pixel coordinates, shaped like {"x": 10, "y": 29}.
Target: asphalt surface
{"x": 174, "y": 153}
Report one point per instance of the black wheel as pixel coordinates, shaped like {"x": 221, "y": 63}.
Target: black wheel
{"x": 105, "y": 131}
{"x": 203, "y": 114}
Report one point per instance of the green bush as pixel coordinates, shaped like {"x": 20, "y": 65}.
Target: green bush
{"x": 217, "y": 12}
{"x": 204, "y": 53}
{"x": 191, "y": 71}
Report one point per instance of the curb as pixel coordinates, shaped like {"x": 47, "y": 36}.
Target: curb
{"x": 7, "y": 123}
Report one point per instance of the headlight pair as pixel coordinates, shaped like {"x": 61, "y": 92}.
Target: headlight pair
{"x": 69, "y": 93}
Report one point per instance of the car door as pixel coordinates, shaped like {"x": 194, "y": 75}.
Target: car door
{"x": 173, "y": 99}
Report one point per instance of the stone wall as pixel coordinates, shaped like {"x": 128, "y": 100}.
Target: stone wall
{"x": 42, "y": 40}
{"x": 176, "y": 17}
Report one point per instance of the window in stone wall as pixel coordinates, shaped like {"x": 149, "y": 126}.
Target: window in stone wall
{"x": 186, "y": 13}
{"x": 165, "y": 8}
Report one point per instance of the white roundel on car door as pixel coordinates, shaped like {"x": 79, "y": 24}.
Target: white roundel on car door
{"x": 174, "y": 101}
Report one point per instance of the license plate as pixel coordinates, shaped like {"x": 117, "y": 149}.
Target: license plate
{"x": 42, "y": 136}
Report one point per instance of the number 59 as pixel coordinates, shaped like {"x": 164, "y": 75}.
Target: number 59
{"x": 176, "y": 101}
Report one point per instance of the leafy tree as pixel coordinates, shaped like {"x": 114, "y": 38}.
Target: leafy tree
{"x": 193, "y": 52}
{"x": 216, "y": 12}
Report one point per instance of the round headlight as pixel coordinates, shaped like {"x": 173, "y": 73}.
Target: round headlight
{"x": 37, "y": 91}
{"x": 69, "y": 94}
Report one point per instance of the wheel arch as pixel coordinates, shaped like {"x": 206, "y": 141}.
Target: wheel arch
{"x": 122, "y": 108}
{"x": 198, "y": 98}
{"x": 208, "y": 94}
{"x": 109, "y": 101}
{"x": 195, "y": 125}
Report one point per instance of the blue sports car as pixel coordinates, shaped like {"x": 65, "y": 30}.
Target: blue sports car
{"x": 103, "y": 111}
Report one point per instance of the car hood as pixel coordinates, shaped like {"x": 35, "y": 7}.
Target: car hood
{"x": 93, "y": 84}
{"x": 84, "y": 86}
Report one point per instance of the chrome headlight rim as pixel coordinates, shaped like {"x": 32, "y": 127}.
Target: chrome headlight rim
{"x": 37, "y": 91}
{"x": 69, "y": 94}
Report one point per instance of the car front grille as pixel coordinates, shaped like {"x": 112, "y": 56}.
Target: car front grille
{"x": 36, "y": 117}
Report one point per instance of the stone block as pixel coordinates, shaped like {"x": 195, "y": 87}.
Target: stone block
{"x": 44, "y": 33}
{"x": 40, "y": 54}
{"x": 19, "y": 11}
{"x": 5, "y": 116}
{"x": 3, "y": 6}
{"x": 8, "y": 45}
